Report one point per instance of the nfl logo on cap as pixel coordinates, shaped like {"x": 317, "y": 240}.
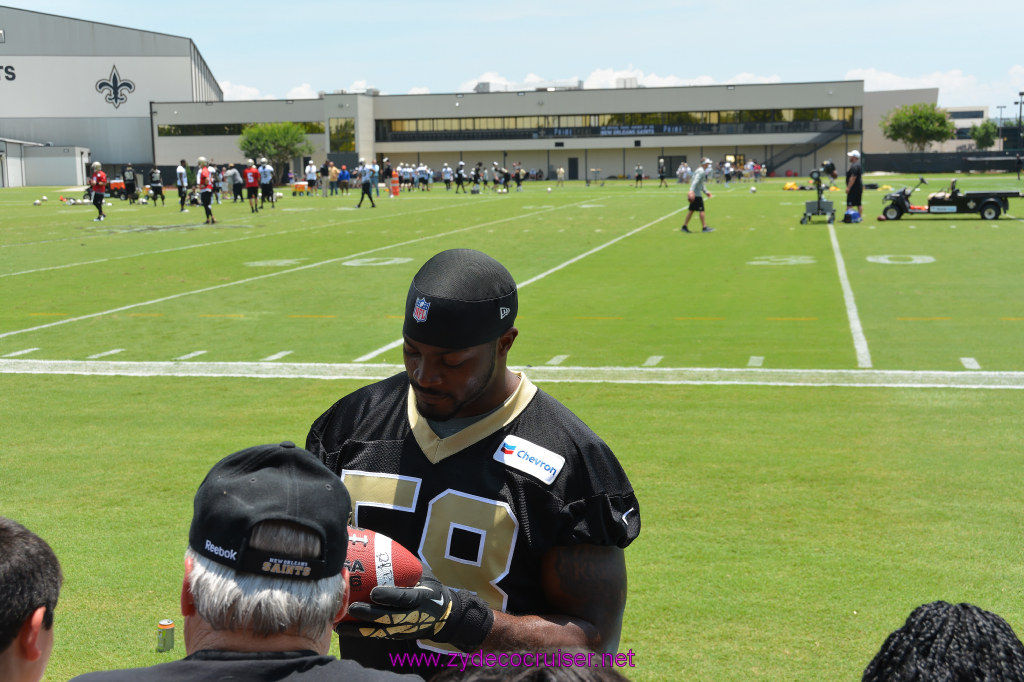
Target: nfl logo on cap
{"x": 419, "y": 313}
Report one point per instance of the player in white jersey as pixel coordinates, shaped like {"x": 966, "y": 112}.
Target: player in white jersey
{"x": 267, "y": 184}
{"x": 695, "y": 195}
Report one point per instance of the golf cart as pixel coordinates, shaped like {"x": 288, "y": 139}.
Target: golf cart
{"x": 990, "y": 204}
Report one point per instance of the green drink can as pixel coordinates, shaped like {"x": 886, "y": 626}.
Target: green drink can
{"x": 165, "y": 635}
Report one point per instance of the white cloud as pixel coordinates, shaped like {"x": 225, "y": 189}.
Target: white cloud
{"x": 497, "y": 81}
{"x": 956, "y": 88}
{"x": 236, "y": 91}
{"x": 419, "y": 91}
{"x": 304, "y": 91}
{"x": 884, "y": 80}
{"x": 609, "y": 78}
{"x": 748, "y": 78}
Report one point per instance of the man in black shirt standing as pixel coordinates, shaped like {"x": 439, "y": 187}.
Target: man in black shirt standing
{"x": 130, "y": 189}
{"x": 854, "y": 184}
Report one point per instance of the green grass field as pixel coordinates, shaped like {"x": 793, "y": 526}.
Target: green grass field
{"x": 822, "y": 424}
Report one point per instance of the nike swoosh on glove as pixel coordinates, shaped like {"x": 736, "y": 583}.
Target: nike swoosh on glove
{"x": 429, "y": 610}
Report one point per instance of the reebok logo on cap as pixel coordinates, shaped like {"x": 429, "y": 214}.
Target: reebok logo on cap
{"x": 231, "y": 554}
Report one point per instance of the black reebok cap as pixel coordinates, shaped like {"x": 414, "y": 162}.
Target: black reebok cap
{"x": 460, "y": 298}
{"x": 271, "y": 483}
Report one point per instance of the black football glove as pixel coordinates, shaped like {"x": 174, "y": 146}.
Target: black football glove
{"x": 429, "y": 610}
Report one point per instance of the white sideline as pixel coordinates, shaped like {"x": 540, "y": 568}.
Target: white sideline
{"x": 860, "y": 342}
{"x": 873, "y": 378}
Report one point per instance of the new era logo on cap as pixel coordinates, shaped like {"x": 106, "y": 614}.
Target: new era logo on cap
{"x": 504, "y": 312}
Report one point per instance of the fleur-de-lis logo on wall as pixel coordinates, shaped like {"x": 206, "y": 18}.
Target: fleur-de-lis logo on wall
{"x": 115, "y": 86}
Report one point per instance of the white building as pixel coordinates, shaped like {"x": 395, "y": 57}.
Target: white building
{"x": 67, "y": 82}
{"x": 126, "y": 95}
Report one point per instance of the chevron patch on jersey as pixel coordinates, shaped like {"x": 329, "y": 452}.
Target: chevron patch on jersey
{"x": 530, "y": 458}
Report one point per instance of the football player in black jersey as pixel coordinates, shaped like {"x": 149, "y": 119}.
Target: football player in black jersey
{"x": 519, "y": 512}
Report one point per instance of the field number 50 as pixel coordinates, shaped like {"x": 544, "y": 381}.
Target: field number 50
{"x": 809, "y": 260}
{"x": 782, "y": 260}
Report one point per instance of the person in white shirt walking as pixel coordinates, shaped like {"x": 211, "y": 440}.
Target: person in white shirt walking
{"x": 696, "y": 196}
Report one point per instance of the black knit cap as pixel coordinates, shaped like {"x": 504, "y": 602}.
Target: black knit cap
{"x": 460, "y": 298}
{"x": 278, "y": 482}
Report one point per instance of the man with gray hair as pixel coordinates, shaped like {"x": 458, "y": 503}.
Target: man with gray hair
{"x": 265, "y": 577}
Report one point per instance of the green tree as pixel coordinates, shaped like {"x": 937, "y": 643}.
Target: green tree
{"x": 279, "y": 142}
{"x": 985, "y": 135}
{"x": 917, "y": 126}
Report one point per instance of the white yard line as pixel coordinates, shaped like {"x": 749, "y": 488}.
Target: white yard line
{"x": 277, "y": 356}
{"x": 288, "y": 271}
{"x": 193, "y": 354}
{"x": 108, "y": 353}
{"x": 860, "y": 342}
{"x": 555, "y": 374}
{"x": 398, "y": 342}
{"x": 16, "y": 353}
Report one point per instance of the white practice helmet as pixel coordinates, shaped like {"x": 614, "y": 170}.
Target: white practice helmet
{"x": 705, "y": 161}
{"x": 202, "y": 161}
{"x": 96, "y": 165}
{"x": 250, "y": 162}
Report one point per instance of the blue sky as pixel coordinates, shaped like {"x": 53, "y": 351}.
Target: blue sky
{"x": 258, "y": 49}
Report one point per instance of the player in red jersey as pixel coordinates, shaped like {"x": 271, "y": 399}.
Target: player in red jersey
{"x": 205, "y": 182}
{"x": 252, "y": 184}
{"x": 98, "y": 183}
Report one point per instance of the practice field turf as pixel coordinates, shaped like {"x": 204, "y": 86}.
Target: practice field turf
{"x": 822, "y": 423}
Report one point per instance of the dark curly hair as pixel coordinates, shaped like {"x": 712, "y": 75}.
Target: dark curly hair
{"x": 942, "y": 642}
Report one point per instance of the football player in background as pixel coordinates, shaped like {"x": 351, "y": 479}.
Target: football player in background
{"x": 181, "y": 179}
{"x": 365, "y": 171}
{"x": 696, "y": 196}
{"x": 130, "y": 189}
{"x": 205, "y": 182}
{"x": 156, "y": 186}
{"x": 267, "y": 184}
{"x": 98, "y": 185}
{"x": 514, "y": 505}
{"x": 251, "y": 174}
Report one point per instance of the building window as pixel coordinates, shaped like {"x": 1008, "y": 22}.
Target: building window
{"x": 343, "y": 135}
{"x": 233, "y": 129}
